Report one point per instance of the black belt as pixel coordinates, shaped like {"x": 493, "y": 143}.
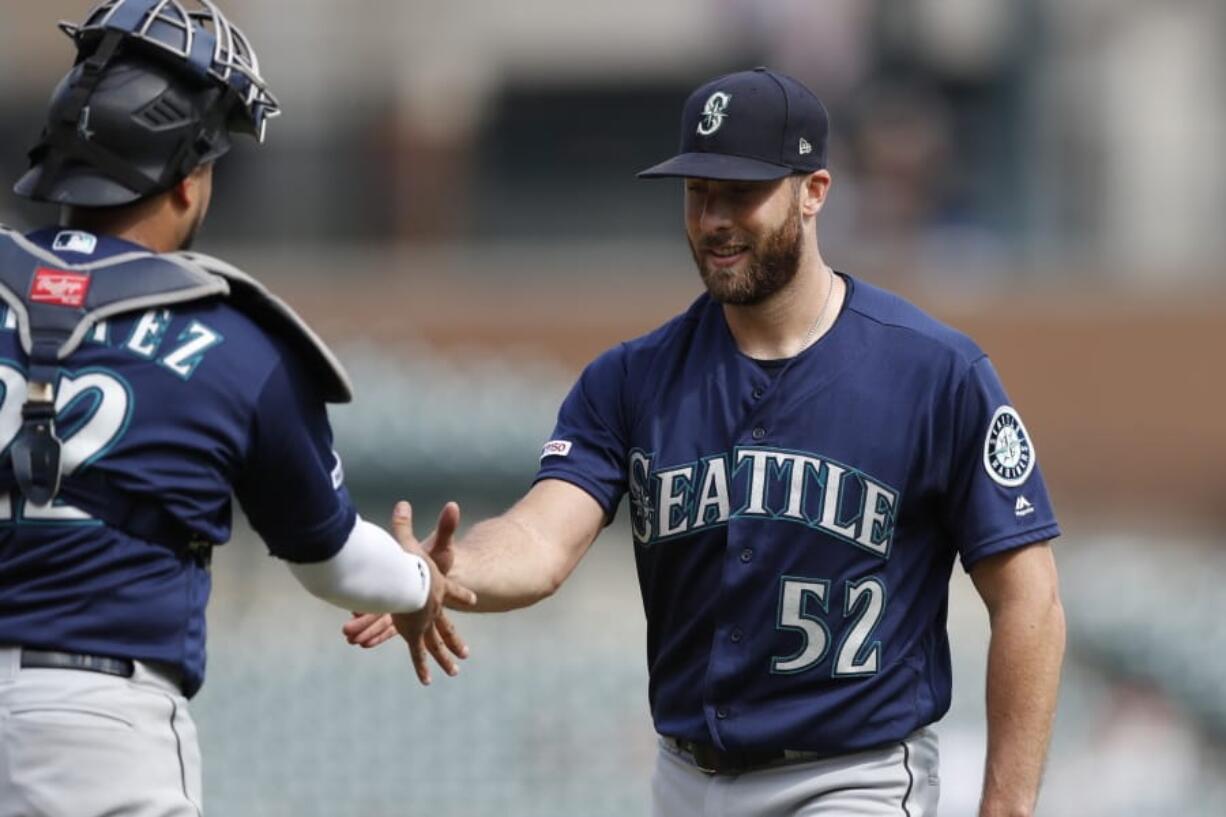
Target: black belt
{"x": 709, "y": 759}
{"x": 50, "y": 659}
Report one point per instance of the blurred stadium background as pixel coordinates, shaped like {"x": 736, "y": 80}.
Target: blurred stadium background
{"x": 450, "y": 200}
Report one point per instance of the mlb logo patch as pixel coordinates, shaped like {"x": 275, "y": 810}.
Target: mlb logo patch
{"x": 59, "y": 288}
{"x": 555, "y": 448}
{"x": 75, "y": 241}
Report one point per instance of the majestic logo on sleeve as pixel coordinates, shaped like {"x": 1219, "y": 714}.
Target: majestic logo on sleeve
{"x": 713, "y": 113}
{"x": 1008, "y": 455}
{"x": 764, "y": 483}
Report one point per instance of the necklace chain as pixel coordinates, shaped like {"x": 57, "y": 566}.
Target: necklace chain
{"x": 804, "y": 344}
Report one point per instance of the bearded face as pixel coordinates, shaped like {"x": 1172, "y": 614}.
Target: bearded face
{"x": 189, "y": 240}
{"x": 743, "y": 261}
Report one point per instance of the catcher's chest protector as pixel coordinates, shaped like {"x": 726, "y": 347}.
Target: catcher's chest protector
{"x": 57, "y": 303}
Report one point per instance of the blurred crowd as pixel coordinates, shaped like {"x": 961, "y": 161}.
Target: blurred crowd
{"x": 969, "y": 134}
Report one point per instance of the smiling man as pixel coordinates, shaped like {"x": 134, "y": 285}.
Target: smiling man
{"x": 806, "y": 455}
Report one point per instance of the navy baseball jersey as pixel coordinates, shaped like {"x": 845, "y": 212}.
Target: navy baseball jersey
{"x": 795, "y": 525}
{"x": 186, "y": 406}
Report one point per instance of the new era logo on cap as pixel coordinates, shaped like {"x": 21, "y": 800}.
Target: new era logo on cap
{"x": 754, "y": 125}
{"x": 59, "y": 288}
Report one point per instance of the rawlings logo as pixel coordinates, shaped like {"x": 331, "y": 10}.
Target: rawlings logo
{"x": 59, "y": 288}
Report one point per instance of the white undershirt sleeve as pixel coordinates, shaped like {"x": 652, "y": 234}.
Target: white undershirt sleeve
{"x": 371, "y": 573}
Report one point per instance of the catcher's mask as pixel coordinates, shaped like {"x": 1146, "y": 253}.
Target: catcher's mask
{"x": 156, "y": 90}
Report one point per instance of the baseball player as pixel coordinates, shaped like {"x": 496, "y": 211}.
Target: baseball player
{"x": 805, "y": 456}
{"x": 142, "y": 386}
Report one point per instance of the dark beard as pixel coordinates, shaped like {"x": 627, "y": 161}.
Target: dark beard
{"x": 190, "y": 238}
{"x": 772, "y": 264}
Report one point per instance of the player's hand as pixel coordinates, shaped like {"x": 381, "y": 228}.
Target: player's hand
{"x": 367, "y": 630}
{"x": 428, "y": 631}
{"x": 439, "y": 544}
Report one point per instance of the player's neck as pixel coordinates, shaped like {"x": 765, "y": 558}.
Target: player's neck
{"x": 147, "y": 223}
{"x": 792, "y": 319}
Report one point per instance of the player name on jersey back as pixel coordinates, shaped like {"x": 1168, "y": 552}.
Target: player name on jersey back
{"x": 147, "y": 339}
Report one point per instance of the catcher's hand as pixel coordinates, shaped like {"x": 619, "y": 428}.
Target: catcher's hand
{"x": 428, "y": 630}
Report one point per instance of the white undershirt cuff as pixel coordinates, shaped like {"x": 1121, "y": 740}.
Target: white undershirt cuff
{"x": 371, "y": 573}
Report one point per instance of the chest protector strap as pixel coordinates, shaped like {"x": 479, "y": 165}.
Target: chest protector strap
{"x": 56, "y": 304}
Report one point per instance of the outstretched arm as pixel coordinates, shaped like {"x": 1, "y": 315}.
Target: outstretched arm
{"x": 372, "y": 571}
{"x": 1021, "y": 591}
{"x": 525, "y": 555}
{"x": 512, "y": 561}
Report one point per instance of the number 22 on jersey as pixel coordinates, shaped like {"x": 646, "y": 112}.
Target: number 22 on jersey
{"x": 105, "y": 419}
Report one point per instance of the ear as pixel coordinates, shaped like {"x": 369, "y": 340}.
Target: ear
{"x": 185, "y": 193}
{"x": 813, "y": 192}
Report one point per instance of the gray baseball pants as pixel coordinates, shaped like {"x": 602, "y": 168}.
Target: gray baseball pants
{"x": 894, "y": 781}
{"x": 83, "y": 744}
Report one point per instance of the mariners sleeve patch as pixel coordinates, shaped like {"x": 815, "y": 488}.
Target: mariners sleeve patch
{"x": 555, "y": 448}
{"x": 1008, "y": 455}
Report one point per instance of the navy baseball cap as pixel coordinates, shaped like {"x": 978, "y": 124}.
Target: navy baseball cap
{"x": 749, "y": 126}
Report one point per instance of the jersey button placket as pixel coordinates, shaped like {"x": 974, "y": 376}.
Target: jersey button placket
{"x": 752, "y": 431}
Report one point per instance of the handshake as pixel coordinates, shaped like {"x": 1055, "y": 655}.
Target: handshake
{"x": 512, "y": 560}
{"x": 427, "y": 631}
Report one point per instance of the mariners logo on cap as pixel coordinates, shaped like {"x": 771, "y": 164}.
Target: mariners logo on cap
{"x": 713, "y": 113}
{"x": 1007, "y": 453}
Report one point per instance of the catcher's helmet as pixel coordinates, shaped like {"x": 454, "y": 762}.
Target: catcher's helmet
{"x": 157, "y": 87}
